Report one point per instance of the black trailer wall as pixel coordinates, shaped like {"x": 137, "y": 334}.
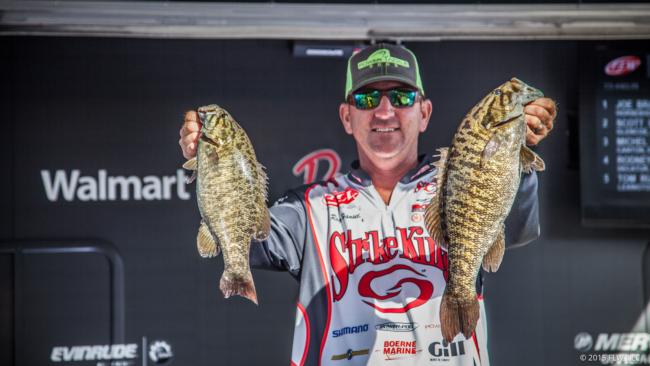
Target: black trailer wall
{"x": 82, "y": 263}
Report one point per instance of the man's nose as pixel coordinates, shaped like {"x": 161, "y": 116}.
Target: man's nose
{"x": 384, "y": 110}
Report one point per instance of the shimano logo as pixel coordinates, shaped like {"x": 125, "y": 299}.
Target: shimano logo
{"x": 350, "y": 330}
{"x": 71, "y": 186}
{"x": 94, "y": 353}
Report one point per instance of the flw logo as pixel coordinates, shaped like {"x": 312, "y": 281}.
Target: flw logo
{"x": 622, "y": 65}
{"x": 337, "y": 199}
{"x": 348, "y": 253}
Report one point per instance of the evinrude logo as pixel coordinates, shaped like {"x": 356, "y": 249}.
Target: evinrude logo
{"x": 160, "y": 352}
{"x": 94, "y": 353}
{"x": 71, "y": 186}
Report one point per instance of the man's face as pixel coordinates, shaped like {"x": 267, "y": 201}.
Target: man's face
{"x": 386, "y": 133}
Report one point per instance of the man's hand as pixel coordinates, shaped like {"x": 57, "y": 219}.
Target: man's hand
{"x": 540, "y": 115}
{"x": 190, "y": 134}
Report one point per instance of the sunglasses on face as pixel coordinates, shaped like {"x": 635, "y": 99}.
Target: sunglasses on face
{"x": 369, "y": 99}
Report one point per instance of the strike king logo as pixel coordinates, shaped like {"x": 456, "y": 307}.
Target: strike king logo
{"x": 348, "y": 253}
{"x": 308, "y": 165}
{"x": 337, "y": 199}
{"x": 622, "y": 65}
{"x": 398, "y": 349}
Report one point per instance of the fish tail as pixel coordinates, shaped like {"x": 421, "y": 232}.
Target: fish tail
{"x": 242, "y": 286}
{"x": 458, "y": 316}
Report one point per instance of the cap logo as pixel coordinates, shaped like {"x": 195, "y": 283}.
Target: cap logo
{"x": 382, "y": 56}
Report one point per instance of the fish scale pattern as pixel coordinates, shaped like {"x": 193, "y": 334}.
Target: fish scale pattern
{"x": 478, "y": 179}
{"x": 231, "y": 192}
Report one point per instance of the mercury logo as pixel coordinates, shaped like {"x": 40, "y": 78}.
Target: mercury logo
{"x": 583, "y": 342}
{"x": 71, "y": 186}
{"x": 623, "y": 342}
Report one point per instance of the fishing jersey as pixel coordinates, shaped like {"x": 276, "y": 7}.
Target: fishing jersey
{"x": 371, "y": 278}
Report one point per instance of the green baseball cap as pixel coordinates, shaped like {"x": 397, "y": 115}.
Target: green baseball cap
{"x": 381, "y": 62}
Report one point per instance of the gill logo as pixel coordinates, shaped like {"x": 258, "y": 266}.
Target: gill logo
{"x": 379, "y": 57}
{"x": 308, "y": 165}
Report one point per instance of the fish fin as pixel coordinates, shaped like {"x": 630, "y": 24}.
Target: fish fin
{"x": 457, "y": 316}
{"x": 192, "y": 165}
{"x": 494, "y": 256}
{"x": 432, "y": 214}
{"x": 206, "y": 243}
{"x": 530, "y": 161}
{"x": 244, "y": 287}
{"x": 490, "y": 148}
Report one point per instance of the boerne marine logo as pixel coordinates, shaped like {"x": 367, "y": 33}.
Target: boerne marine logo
{"x": 399, "y": 349}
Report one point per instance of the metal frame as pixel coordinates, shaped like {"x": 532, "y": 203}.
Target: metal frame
{"x": 116, "y": 266}
{"x": 323, "y": 21}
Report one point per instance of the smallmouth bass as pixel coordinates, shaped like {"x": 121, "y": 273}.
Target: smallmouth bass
{"x": 478, "y": 178}
{"x": 231, "y": 192}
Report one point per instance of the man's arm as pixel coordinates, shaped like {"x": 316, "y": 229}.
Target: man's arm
{"x": 284, "y": 248}
{"x": 522, "y": 224}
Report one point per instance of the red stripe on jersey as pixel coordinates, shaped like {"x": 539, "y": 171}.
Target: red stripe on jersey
{"x": 325, "y": 278}
{"x": 307, "y": 331}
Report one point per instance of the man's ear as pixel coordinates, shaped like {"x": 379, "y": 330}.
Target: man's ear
{"x": 426, "y": 108}
{"x": 344, "y": 114}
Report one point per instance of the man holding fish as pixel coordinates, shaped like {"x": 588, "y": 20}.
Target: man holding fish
{"x": 371, "y": 277}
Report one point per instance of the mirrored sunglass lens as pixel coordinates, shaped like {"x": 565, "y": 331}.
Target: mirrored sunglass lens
{"x": 402, "y": 98}
{"x": 367, "y": 100}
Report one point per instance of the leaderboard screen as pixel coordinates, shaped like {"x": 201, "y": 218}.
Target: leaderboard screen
{"x": 615, "y": 134}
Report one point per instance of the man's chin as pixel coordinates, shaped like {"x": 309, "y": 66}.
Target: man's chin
{"x": 385, "y": 154}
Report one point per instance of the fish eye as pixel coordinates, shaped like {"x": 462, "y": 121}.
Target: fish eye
{"x": 497, "y": 92}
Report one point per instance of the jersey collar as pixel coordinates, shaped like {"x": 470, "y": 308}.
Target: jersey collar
{"x": 425, "y": 165}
